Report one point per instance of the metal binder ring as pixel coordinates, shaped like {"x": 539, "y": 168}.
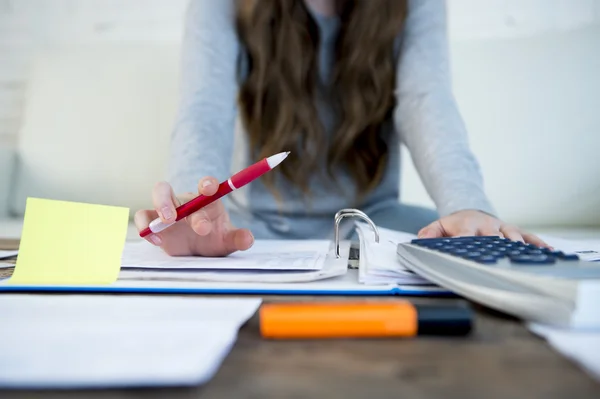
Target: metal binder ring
{"x": 342, "y": 213}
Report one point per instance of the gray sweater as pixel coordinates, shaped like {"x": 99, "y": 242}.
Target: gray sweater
{"x": 426, "y": 120}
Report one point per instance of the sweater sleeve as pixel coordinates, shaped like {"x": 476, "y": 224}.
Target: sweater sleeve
{"x": 203, "y": 137}
{"x": 427, "y": 117}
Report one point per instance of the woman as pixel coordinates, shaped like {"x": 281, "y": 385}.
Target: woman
{"x": 340, "y": 84}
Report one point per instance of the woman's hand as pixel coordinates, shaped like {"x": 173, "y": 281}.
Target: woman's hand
{"x": 207, "y": 232}
{"x": 476, "y": 223}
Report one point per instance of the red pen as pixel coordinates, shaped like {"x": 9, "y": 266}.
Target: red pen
{"x": 236, "y": 181}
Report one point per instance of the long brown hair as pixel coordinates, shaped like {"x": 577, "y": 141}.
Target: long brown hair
{"x": 277, "y": 95}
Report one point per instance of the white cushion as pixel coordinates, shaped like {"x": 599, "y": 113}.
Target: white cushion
{"x": 97, "y": 124}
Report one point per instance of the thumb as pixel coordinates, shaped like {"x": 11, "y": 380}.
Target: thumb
{"x": 433, "y": 230}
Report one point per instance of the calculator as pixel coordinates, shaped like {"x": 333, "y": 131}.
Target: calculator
{"x": 500, "y": 254}
{"x": 533, "y": 283}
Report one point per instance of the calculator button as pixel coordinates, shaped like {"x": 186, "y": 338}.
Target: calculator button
{"x": 533, "y": 259}
{"x": 447, "y": 248}
{"x": 534, "y": 252}
{"x": 472, "y": 255}
{"x": 487, "y": 259}
{"x": 568, "y": 257}
{"x": 426, "y": 241}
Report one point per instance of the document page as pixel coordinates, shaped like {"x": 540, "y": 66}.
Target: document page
{"x": 82, "y": 341}
{"x": 264, "y": 255}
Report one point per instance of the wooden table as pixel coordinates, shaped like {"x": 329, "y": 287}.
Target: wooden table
{"x": 501, "y": 359}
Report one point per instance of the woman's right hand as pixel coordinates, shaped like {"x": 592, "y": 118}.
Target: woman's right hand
{"x": 207, "y": 232}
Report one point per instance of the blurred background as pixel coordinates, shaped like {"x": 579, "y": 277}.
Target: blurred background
{"x": 88, "y": 93}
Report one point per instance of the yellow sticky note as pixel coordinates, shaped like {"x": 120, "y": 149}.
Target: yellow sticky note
{"x": 66, "y": 243}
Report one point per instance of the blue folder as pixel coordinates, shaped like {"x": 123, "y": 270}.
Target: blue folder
{"x": 346, "y": 285}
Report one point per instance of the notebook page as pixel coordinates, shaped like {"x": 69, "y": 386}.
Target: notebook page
{"x": 264, "y": 255}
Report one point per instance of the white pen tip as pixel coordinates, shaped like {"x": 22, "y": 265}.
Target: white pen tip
{"x": 276, "y": 159}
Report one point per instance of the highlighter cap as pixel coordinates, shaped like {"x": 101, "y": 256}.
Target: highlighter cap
{"x": 444, "y": 320}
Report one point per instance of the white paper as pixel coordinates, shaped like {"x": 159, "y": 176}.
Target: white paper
{"x": 588, "y": 250}
{"x": 79, "y": 341}
{"x": 8, "y": 254}
{"x": 5, "y": 255}
{"x": 582, "y": 347}
{"x": 379, "y": 262}
{"x": 330, "y": 267}
{"x": 263, "y": 255}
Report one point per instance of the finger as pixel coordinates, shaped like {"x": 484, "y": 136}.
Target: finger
{"x": 185, "y": 197}
{"x": 238, "y": 240}
{"x": 164, "y": 202}
{"x": 200, "y": 222}
{"x": 465, "y": 231}
{"x": 142, "y": 219}
{"x": 433, "y": 230}
{"x": 208, "y": 186}
{"x": 512, "y": 233}
{"x": 490, "y": 230}
{"x": 535, "y": 240}
{"x": 461, "y": 228}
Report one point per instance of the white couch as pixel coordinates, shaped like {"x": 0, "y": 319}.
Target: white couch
{"x": 97, "y": 123}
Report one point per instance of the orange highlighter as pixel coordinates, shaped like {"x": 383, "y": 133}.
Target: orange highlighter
{"x": 312, "y": 320}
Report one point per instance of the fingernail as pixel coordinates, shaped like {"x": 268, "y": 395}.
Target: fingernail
{"x": 166, "y": 212}
{"x": 251, "y": 240}
{"x": 206, "y": 183}
{"x": 155, "y": 239}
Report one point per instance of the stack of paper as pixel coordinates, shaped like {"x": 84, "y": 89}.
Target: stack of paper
{"x": 272, "y": 261}
{"x": 378, "y": 262}
{"x": 7, "y": 254}
{"x": 77, "y": 341}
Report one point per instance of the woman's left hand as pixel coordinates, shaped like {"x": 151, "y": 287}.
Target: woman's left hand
{"x": 476, "y": 223}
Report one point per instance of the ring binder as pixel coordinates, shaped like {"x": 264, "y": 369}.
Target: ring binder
{"x": 349, "y": 212}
